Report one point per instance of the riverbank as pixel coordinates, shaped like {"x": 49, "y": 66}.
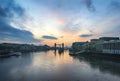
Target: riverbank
{"x": 95, "y": 54}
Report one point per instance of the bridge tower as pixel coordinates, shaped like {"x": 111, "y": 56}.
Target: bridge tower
{"x": 59, "y": 46}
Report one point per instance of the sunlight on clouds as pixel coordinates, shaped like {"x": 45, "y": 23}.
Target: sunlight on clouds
{"x": 67, "y": 21}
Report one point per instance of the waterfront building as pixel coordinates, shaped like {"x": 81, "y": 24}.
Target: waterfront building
{"x": 112, "y": 47}
{"x": 93, "y": 45}
{"x": 78, "y": 46}
{"x": 108, "y": 38}
{"x": 97, "y": 44}
{"x": 109, "y": 45}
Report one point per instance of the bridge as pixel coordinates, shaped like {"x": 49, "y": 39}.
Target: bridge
{"x": 59, "y": 46}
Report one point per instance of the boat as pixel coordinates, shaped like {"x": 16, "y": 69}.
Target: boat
{"x": 9, "y": 54}
{"x": 15, "y": 53}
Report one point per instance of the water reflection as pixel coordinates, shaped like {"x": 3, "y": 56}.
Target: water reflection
{"x": 55, "y": 66}
{"x": 59, "y": 52}
{"x": 105, "y": 65}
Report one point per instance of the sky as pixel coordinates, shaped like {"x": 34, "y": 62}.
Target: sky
{"x": 58, "y": 21}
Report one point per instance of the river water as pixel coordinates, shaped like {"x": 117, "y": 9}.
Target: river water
{"x": 54, "y": 66}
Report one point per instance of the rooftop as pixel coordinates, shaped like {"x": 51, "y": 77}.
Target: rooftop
{"x": 109, "y": 38}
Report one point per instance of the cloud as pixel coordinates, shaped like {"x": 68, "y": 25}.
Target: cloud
{"x": 13, "y": 34}
{"x": 86, "y": 35}
{"x": 72, "y": 27}
{"x": 89, "y": 5}
{"x": 61, "y": 36}
{"x": 9, "y": 10}
{"x": 67, "y": 5}
{"x": 114, "y": 6}
{"x": 49, "y": 37}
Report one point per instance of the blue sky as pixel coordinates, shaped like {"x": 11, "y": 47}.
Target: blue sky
{"x": 50, "y": 21}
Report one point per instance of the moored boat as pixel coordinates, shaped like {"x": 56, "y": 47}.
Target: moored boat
{"x": 9, "y": 54}
{"x": 15, "y": 53}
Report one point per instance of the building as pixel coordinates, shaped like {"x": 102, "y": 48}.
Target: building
{"x": 94, "y": 40}
{"x": 109, "y": 45}
{"x": 112, "y": 47}
{"x": 93, "y": 44}
{"x": 97, "y": 44}
{"x": 78, "y": 46}
{"x": 108, "y": 38}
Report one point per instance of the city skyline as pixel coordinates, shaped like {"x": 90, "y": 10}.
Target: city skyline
{"x": 58, "y": 21}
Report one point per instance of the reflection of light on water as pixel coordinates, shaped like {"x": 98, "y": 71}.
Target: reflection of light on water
{"x": 48, "y": 59}
{"x": 41, "y": 60}
{"x": 64, "y": 66}
{"x": 63, "y": 58}
{"x": 46, "y": 65}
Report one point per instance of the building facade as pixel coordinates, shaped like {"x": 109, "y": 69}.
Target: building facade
{"x": 78, "y": 46}
{"x": 112, "y": 47}
{"x": 99, "y": 44}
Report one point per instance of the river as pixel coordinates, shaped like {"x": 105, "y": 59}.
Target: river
{"x": 54, "y": 66}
